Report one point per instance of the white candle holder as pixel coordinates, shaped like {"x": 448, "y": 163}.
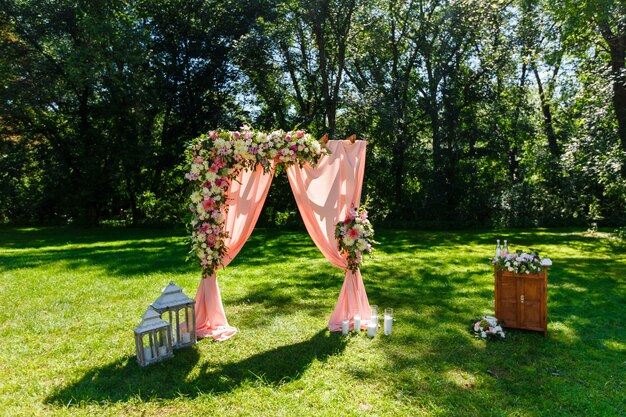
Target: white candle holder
{"x": 371, "y": 329}
{"x": 345, "y": 327}
{"x": 374, "y": 314}
{"x": 388, "y": 325}
{"x": 357, "y": 322}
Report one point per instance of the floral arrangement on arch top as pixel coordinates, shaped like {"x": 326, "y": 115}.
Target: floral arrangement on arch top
{"x": 215, "y": 161}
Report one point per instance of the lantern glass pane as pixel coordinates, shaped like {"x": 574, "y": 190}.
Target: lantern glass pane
{"x": 148, "y": 353}
{"x": 162, "y": 338}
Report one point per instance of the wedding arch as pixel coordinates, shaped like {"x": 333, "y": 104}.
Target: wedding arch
{"x": 231, "y": 172}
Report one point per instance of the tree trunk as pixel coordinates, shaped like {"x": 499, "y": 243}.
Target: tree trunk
{"x": 513, "y": 162}
{"x": 547, "y": 117}
{"x": 619, "y": 93}
{"x": 89, "y": 192}
{"x": 617, "y": 48}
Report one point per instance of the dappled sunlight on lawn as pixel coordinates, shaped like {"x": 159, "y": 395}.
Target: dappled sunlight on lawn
{"x": 75, "y": 350}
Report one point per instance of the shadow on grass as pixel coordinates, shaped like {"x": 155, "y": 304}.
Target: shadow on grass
{"x": 125, "y": 379}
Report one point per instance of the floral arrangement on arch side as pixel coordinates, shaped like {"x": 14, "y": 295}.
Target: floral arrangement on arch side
{"x": 487, "y": 328}
{"x": 215, "y": 160}
{"x": 355, "y": 236}
{"x": 520, "y": 262}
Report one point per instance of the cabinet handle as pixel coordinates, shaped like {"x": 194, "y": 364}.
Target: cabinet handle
{"x": 521, "y": 298}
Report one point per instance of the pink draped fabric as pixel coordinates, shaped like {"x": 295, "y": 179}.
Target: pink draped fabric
{"x": 246, "y": 196}
{"x": 324, "y": 195}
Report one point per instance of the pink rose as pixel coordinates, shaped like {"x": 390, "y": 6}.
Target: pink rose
{"x": 236, "y": 135}
{"x": 213, "y": 134}
{"x": 294, "y": 147}
{"x": 208, "y": 204}
{"x": 214, "y": 168}
{"x": 353, "y": 233}
{"x": 299, "y": 134}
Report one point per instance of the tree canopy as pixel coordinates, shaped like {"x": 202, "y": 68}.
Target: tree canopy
{"x": 501, "y": 113}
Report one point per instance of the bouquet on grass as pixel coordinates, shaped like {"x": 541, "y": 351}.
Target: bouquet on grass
{"x": 488, "y": 328}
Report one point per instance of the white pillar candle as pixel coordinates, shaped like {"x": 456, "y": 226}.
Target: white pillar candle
{"x": 371, "y": 329}
{"x": 345, "y": 327}
{"x": 147, "y": 353}
{"x": 357, "y": 322}
{"x": 388, "y": 325}
{"x": 186, "y": 338}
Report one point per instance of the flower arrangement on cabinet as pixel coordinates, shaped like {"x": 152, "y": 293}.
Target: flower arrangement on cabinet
{"x": 521, "y": 262}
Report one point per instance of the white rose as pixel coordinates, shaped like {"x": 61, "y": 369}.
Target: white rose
{"x": 348, "y": 241}
{"x": 221, "y": 143}
{"x": 196, "y": 197}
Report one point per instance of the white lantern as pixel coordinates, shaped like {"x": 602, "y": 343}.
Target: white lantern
{"x": 152, "y": 338}
{"x": 178, "y": 309}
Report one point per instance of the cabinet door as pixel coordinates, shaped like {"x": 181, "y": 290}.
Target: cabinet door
{"x": 531, "y": 303}
{"x": 507, "y": 299}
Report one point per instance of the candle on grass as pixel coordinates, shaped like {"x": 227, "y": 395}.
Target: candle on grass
{"x": 371, "y": 329}
{"x": 345, "y": 327}
{"x": 357, "y": 322}
{"x": 388, "y": 321}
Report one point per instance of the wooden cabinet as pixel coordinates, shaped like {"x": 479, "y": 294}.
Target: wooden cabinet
{"x": 521, "y": 300}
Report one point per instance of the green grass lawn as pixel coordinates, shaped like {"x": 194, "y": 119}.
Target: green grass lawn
{"x": 69, "y": 299}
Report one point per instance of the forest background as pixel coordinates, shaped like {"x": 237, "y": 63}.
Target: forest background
{"x": 477, "y": 113}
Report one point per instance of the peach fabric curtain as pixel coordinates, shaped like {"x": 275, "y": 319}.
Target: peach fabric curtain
{"x": 324, "y": 195}
{"x": 246, "y": 196}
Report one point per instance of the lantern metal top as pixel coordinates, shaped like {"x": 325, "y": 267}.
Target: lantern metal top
{"x": 150, "y": 320}
{"x": 171, "y": 296}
